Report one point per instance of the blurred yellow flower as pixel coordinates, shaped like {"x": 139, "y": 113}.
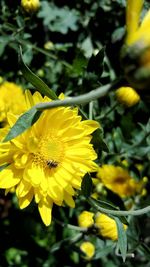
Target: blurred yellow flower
{"x": 107, "y": 226}
{"x": 119, "y": 181}
{"x": 89, "y": 249}
{"x": 12, "y": 100}
{"x": 30, "y": 6}
{"x": 135, "y": 54}
{"x": 49, "y": 159}
{"x": 85, "y": 219}
{"x": 49, "y": 45}
{"x": 127, "y": 96}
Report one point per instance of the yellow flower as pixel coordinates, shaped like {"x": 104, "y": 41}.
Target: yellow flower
{"x": 127, "y": 96}
{"x": 89, "y": 249}
{"x": 12, "y": 100}
{"x": 30, "y": 5}
{"x": 119, "y": 181}
{"x": 107, "y": 226}
{"x": 49, "y": 159}
{"x": 135, "y": 53}
{"x": 85, "y": 219}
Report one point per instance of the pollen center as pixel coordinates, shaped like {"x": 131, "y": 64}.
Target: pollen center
{"x": 50, "y": 153}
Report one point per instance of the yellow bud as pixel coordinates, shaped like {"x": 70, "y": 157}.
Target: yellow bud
{"x": 107, "y": 226}
{"x": 127, "y": 96}
{"x": 89, "y": 249}
{"x": 30, "y": 6}
{"x": 85, "y": 219}
{"x": 49, "y": 45}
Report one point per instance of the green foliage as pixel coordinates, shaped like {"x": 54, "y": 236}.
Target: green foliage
{"x": 74, "y": 47}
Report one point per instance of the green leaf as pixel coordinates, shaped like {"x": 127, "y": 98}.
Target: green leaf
{"x": 58, "y": 19}
{"x": 103, "y": 252}
{"x": 35, "y": 80}
{"x": 98, "y": 141}
{"x": 96, "y": 63}
{"x": 23, "y": 123}
{"x": 122, "y": 238}
{"x": 86, "y": 185}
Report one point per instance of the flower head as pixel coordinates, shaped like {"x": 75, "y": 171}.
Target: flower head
{"x": 49, "y": 159}
{"x": 30, "y": 6}
{"x": 118, "y": 180}
{"x": 127, "y": 96}
{"x": 12, "y": 100}
{"x": 85, "y": 219}
{"x": 107, "y": 226}
{"x": 89, "y": 249}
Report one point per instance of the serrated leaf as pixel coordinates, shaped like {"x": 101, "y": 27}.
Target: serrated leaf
{"x": 35, "y": 80}
{"x": 122, "y": 238}
{"x": 58, "y": 19}
{"x": 86, "y": 185}
{"x": 23, "y": 123}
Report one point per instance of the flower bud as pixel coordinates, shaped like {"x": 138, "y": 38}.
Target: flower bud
{"x": 127, "y": 96}
{"x": 89, "y": 249}
{"x": 85, "y": 219}
{"x": 30, "y": 6}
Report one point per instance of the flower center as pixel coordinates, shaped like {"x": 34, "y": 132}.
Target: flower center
{"x": 50, "y": 153}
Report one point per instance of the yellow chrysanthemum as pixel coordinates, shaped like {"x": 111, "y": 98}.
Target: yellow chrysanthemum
{"x": 12, "y": 100}
{"x": 30, "y": 5}
{"x": 107, "y": 226}
{"x": 127, "y": 96}
{"x": 85, "y": 219}
{"x": 119, "y": 181}
{"x": 49, "y": 159}
{"x": 89, "y": 249}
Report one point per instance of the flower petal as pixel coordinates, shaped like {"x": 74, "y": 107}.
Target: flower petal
{"x": 9, "y": 177}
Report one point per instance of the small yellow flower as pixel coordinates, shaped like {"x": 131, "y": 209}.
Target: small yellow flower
{"x": 85, "y": 219}
{"x": 12, "y": 100}
{"x": 127, "y": 96}
{"x": 89, "y": 249}
{"x": 119, "y": 181}
{"x": 107, "y": 226}
{"x": 48, "y": 161}
{"x": 30, "y": 6}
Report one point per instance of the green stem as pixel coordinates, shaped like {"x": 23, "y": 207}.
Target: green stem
{"x": 119, "y": 212}
{"x": 76, "y": 100}
{"x": 107, "y": 112}
{"x": 70, "y": 226}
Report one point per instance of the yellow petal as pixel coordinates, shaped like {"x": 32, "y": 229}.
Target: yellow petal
{"x": 34, "y": 174}
{"x": 26, "y": 200}
{"x": 45, "y": 210}
{"x": 9, "y": 177}
{"x": 69, "y": 200}
{"x": 90, "y": 126}
{"x": 132, "y": 18}
{"x": 23, "y": 188}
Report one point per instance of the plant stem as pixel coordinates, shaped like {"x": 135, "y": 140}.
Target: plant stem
{"x": 119, "y": 212}
{"x": 76, "y": 100}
